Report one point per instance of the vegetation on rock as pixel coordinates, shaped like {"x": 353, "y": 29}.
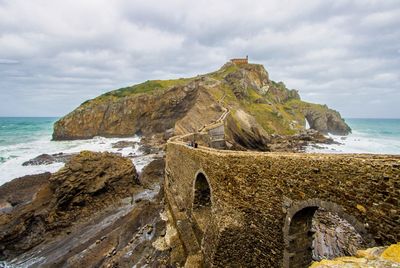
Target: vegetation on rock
{"x": 258, "y": 106}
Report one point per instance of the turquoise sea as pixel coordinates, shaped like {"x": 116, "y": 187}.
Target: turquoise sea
{"x": 23, "y": 138}
{"x": 378, "y": 136}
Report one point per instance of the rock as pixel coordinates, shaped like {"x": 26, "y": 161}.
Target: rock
{"x": 87, "y": 184}
{"x": 124, "y": 144}
{"x": 88, "y": 173}
{"x": 46, "y": 159}
{"x": 143, "y": 114}
{"x": 361, "y": 208}
{"x": 156, "y": 110}
{"x": 298, "y": 142}
{"x": 392, "y": 253}
{"x": 152, "y": 173}
{"x": 326, "y": 120}
{"x": 22, "y": 190}
{"x": 379, "y": 257}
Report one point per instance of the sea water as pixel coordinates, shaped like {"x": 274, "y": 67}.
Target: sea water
{"x": 377, "y": 136}
{"x": 24, "y": 138}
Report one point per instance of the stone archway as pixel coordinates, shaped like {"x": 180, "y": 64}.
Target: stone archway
{"x": 314, "y": 230}
{"x": 201, "y": 207}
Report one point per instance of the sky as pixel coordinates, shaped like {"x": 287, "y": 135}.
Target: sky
{"x": 54, "y": 54}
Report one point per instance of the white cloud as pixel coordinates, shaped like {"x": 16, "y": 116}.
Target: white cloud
{"x": 56, "y": 54}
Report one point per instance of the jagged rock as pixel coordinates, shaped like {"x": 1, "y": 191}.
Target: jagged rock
{"x": 128, "y": 115}
{"x": 124, "y": 144}
{"x": 153, "y": 172}
{"x": 89, "y": 173}
{"x": 326, "y": 120}
{"x": 46, "y": 159}
{"x": 298, "y": 142}
{"x": 87, "y": 184}
{"x": 23, "y": 189}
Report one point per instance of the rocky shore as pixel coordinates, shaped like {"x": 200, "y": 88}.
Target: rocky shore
{"x": 96, "y": 211}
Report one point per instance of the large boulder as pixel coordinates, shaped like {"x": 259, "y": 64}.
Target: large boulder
{"x": 88, "y": 184}
{"x": 89, "y": 174}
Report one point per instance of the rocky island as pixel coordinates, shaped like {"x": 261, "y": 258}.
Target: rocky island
{"x": 258, "y": 108}
{"x": 225, "y": 190}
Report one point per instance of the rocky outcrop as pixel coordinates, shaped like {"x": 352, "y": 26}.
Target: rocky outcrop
{"x": 112, "y": 116}
{"x": 159, "y": 109}
{"x": 326, "y": 120}
{"x": 89, "y": 183}
{"x": 378, "y": 257}
{"x": 47, "y": 159}
{"x": 21, "y": 190}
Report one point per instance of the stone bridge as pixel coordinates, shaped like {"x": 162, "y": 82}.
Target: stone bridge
{"x": 248, "y": 209}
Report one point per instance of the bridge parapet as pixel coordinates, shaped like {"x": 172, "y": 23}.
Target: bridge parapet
{"x": 259, "y": 199}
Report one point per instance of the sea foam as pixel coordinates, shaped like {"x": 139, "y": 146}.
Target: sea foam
{"x": 16, "y": 154}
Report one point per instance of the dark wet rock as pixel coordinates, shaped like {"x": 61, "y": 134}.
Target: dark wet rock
{"x": 47, "y": 159}
{"x": 334, "y": 236}
{"x": 148, "y": 149}
{"x": 152, "y": 173}
{"x": 22, "y": 190}
{"x": 124, "y": 144}
{"x": 298, "y": 142}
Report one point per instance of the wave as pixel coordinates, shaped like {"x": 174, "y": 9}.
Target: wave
{"x": 12, "y": 156}
{"x": 359, "y": 143}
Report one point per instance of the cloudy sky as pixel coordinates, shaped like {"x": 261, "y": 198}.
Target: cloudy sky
{"x": 56, "y": 54}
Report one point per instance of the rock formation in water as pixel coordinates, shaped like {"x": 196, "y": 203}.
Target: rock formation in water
{"x": 258, "y": 107}
{"x": 89, "y": 183}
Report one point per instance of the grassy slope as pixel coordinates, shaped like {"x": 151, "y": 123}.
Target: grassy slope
{"x": 273, "y": 116}
{"x": 148, "y": 87}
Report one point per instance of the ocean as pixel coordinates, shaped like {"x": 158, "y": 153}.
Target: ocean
{"x": 23, "y": 138}
{"x": 376, "y": 136}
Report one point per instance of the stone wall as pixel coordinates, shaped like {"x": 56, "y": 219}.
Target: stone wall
{"x": 262, "y": 204}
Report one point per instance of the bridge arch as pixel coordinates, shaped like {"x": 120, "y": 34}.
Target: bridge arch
{"x": 202, "y": 202}
{"x": 299, "y": 232}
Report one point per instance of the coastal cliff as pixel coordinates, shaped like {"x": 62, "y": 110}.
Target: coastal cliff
{"x": 258, "y": 107}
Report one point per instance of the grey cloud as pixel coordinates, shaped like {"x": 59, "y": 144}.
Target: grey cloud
{"x": 56, "y": 54}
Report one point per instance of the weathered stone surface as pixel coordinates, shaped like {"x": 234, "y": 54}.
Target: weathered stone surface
{"x": 326, "y": 120}
{"x": 152, "y": 173}
{"x": 257, "y": 200}
{"x": 23, "y": 189}
{"x": 88, "y": 174}
{"x": 136, "y": 114}
{"x": 381, "y": 257}
{"x": 334, "y": 236}
{"x": 87, "y": 184}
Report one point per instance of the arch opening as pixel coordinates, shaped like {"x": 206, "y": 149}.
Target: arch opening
{"x": 201, "y": 209}
{"x": 316, "y": 233}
